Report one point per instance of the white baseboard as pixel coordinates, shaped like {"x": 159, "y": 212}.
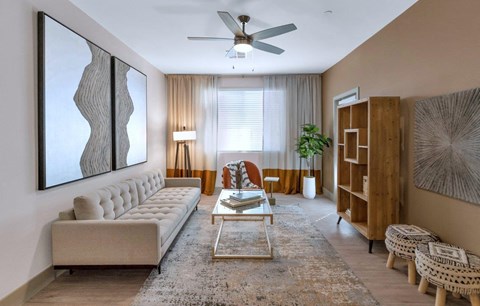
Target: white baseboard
{"x": 328, "y": 193}
{"x": 23, "y": 293}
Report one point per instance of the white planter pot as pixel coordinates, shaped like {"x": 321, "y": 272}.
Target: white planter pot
{"x": 309, "y": 187}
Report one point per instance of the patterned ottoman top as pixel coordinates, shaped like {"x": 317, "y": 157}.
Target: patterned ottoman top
{"x": 447, "y": 254}
{"x": 411, "y": 232}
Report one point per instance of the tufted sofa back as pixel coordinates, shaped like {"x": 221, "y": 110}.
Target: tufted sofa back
{"x": 107, "y": 203}
{"x": 148, "y": 184}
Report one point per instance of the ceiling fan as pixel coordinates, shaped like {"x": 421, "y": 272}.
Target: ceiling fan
{"x": 243, "y": 42}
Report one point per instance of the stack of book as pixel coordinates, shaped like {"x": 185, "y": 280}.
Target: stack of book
{"x": 240, "y": 199}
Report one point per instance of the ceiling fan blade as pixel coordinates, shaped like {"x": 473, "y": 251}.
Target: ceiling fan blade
{"x": 208, "y": 38}
{"x": 231, "y": 23}
{"x": 273, "y": 31}
{"x": 266, "y": 47}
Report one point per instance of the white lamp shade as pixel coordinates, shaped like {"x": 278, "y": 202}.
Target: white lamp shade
{"x": 184, "y": 135}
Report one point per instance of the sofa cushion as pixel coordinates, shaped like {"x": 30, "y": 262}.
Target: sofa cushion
{"x": 68, "y": 214}
{"x": 188, "y": 196}
{"x": 168, "y": 215}
{"x": 148, "y": 184}
{"x": 107, "y": 203}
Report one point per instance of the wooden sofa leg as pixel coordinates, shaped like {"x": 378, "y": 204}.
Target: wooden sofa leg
{"x": 196, "y": 207}
{"x": 158, "y": 269}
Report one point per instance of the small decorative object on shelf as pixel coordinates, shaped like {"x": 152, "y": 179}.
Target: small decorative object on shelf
{"x": 348, "y": 212}
{"x": 365, "y": 185}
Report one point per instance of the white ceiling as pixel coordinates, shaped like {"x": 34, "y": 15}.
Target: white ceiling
{"x": 158, "y": 30}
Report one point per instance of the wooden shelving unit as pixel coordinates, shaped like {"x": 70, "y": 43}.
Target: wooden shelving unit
{"x": 369, "y": 145}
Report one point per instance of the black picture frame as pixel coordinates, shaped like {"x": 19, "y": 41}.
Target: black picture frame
{"x": 129, "y": 113}
{"x": 74, "y": 106}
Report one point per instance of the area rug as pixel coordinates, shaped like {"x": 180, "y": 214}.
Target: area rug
{"x": 306, "y": 270}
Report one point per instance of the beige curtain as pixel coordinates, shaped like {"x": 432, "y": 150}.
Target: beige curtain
{"x": 192, "y": 103}
{"x": 289, "y": 102}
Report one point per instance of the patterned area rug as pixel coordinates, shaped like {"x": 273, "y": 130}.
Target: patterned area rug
{"x": 306, "y": 270}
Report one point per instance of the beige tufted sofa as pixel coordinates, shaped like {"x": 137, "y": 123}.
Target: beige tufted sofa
{"x": 129, "y": 224}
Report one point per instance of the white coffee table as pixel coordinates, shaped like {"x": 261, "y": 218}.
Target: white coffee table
{"x": 249, "y": 213}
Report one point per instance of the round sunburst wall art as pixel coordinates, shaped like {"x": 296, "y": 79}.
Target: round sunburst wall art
{"x": 447, "y": 145}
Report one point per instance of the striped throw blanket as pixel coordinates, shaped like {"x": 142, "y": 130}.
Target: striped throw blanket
{"x": 239, "y": 176}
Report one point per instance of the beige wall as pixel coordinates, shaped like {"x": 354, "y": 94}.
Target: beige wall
{"x": 26, "y": 213}
{"x": 431, "y": 49}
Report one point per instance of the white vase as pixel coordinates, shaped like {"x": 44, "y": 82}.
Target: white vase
{"x": 309, "y": 187}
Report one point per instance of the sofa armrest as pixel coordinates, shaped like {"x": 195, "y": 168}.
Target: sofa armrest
{"x": 183, "y": 182}
{"x": 106, "y": 242}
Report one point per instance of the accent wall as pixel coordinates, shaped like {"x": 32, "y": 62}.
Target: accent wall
{"x": 431, "y": 49}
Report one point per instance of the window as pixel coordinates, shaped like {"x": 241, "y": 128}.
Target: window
{"x": 240, "y": 119}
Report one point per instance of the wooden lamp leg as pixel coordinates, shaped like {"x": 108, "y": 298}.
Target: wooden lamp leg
{"x": 175, "y": 173}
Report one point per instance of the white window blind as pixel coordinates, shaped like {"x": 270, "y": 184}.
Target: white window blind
{"x": 240, "y": 119}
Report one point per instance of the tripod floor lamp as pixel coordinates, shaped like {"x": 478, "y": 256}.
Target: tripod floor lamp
{"x": 181, "y": 138}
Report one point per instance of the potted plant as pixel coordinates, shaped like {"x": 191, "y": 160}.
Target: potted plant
{"x": 309, "y": 144}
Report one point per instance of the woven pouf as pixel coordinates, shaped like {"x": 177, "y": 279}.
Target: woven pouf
{"x": 401, "y": 240}
{"x": 450, "y": 268}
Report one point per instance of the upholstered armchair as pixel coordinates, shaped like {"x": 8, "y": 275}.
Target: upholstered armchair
{"x": 252, "y": 171}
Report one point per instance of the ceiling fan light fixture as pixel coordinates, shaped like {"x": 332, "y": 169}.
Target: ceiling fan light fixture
{"x": 242, "y": 44}
{"x": 243, "y": 47}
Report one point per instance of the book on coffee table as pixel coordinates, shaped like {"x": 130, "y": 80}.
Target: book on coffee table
{"x": 245, "y": 196}
{"x": 234, "y": 203}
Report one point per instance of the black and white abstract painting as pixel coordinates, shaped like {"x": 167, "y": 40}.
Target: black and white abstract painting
{"x": 75, "y": 137}
{"x": 447, "y": 145}
{"x": 130, "y": 115}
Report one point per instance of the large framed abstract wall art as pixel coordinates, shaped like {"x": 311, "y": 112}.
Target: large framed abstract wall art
{"x": 74, "y": 105}
{"x": 447, "y": 145}
{"x": 129, "y": 93}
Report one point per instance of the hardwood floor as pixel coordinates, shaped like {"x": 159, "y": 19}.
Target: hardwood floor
{"x": 389, "y": 287}
{"x": 92, "y": 287}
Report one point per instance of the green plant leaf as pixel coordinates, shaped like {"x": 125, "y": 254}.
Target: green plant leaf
{"x": 311, "y": 142}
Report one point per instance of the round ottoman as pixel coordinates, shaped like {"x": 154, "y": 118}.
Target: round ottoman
{"x": 401, "y": 240}
{"x": 450, "y": 268}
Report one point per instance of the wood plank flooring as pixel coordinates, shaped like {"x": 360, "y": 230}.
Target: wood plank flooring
{"x": 389, "y": 287}
{"x": 92, "y": 287}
